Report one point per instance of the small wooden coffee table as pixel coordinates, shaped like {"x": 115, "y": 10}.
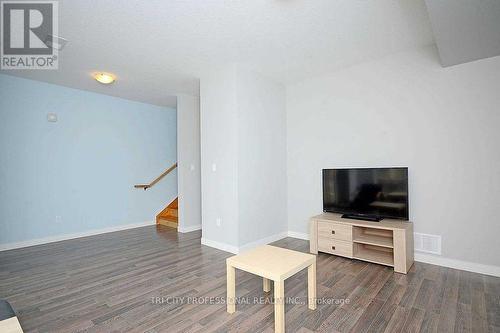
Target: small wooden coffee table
{"x": 273, "y": 264}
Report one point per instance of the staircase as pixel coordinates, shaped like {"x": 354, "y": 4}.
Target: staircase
{"x": 169, "y": 216}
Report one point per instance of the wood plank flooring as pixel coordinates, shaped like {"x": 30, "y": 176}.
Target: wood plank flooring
{"x": 127, "y": 281}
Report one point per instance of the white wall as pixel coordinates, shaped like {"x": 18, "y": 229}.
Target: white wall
{"x": 188, "y": 162}
{"x": 261, "y": 157}
{"x": 219, "y": 147}
{"x": 406, "y": 110}
{"x": 243, "y": 132}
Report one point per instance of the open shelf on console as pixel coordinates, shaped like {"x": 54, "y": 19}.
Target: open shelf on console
{"x": 371, "y": 236}
{"x": 375, "y": 254}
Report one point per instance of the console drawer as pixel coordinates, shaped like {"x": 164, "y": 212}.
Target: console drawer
{"x": 335, "y": 231}
{"x": 335, "y": 246}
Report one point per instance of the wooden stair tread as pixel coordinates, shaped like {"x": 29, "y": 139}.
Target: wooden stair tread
{"x": 169, "y": 212}
{"x": 169, "y": 215}
{"x": 167, "y": 223}
{"x": 174, "y": 204}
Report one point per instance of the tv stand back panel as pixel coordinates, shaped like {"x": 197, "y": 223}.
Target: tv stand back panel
{"x": 388, "y": 242}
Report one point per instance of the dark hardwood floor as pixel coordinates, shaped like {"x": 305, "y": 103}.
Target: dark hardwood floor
{"x": 128, "y": 281}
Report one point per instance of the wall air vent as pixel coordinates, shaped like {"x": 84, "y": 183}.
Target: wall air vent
{"x": 427, "y": 243}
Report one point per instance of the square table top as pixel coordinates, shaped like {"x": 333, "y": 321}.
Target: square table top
{"x": 272, "y": 262}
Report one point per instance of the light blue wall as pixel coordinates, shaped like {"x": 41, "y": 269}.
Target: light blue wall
{"x": 83, "y": 167}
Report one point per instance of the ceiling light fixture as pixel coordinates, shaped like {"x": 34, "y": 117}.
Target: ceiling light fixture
{"x": 104, "y": 78}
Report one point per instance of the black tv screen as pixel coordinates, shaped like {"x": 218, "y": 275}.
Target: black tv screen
{"x": 379, "y": 192}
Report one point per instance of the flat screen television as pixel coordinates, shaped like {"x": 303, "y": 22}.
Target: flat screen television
{"x": 366, "y": 193}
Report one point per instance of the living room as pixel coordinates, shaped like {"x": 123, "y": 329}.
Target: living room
{"x": 171, "y": 179}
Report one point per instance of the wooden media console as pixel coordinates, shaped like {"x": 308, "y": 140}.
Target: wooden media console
{"x": 388, "y": 242}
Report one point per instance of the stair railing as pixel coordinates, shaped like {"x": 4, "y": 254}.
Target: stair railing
{"x": 146, "y": 186}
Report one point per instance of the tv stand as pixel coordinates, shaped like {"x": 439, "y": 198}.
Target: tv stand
{"x": 371, "y": 218}
{"x": 388, "y": 242}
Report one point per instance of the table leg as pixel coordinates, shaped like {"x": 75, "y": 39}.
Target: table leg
{"x": 266, "y": 285}
{"x": 311, "y": 285}
{"x": 279, "y": 306}
{"x": 231, "y": 289}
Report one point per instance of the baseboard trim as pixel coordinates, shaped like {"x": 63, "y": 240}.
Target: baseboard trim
{"x": 458, "y": 264}
{"x": 53, "y": 239}
{"x": 263, "y": 241}
{"x": 420, "y": 257}
{"x": 220, "y": 246}
{"x": 435, "y": 260}
{"x": 299, "y": 235}
{"x": 235, "y": 249}
{"x": 189, "y": 228}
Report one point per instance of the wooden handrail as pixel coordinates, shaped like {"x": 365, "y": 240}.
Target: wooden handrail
{"x": 146, "y": 186}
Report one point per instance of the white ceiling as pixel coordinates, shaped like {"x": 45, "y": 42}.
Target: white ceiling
{"x": 159, "y": 48}
{"x": 465, "y": 30}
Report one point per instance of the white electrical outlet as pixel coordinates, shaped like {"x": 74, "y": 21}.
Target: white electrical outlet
{"x": 218, "y": 221}
{"x": 214, "y": 167}
{"x": 58, "y": 219}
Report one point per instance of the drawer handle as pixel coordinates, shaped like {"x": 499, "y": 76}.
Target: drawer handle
{"x": 333, "y": 247}
{"x": 333, "y": 232}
